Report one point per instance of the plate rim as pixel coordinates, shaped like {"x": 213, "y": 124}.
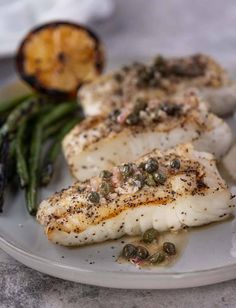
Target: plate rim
{"x": 166, "y": 280}
{"x": 153, "y": 280}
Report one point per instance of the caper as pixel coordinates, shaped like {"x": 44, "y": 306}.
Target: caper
{"x": 171, "y": 109}
{"x": 105, "y": 174}
{"x": 132, "y": 119}
{"x": 179, "y": 69}
{"x": 150, "y": 235}
{"x": 141, "y": 165}
{"x": 118, "y": 77}
{"x": 151, "y": 72}
{"x": 129, "y": 251}
{"x": 165, "y": 106}
{"x": 159, "y": 177}
{"x": 156, "y": 114}
{"x": 105, "y": 188}
{"x": 155, "y": 77}
{"x": 159, "y": 61}
{"x": 114, "y": 115}
{"x": 142, "y": 73}
{"x": 193, "y": 69}
{"x": 138, "y": 180}
{"x": 142, "y": 76}
{"x": 169, "y": 248}
{"x": 142, "y": 252}
{"x": 176, "y": 110}
{"x": 157, "y": 258}
{"x": 140, "y": 104}
{"x": 154, "y": 82}
{"x": 149, "y": 180}
{"x": 151, "y": 165}
{"x": 94, "y": 197}
{"x": 175, "y": 163}
{"x": 126, "y": 170}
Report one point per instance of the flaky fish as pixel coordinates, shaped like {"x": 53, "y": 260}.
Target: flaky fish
{"x": 164, "y": 77}
{"x": 104, "y": 141}
{"x": 167, "y": 190}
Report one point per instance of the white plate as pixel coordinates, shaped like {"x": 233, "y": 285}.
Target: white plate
{"x": 209, "y": 256}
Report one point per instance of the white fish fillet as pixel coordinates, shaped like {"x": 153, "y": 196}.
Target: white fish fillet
{"x": 197, "y": 71}
{"x": 98, "y": 143}
{"x": 193, "y": 195}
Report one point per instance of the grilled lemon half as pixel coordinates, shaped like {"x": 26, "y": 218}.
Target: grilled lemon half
{"x": 58, "y": 57}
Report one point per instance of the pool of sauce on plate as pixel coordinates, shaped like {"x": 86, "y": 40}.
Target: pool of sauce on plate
{"x": 178, "y": 238}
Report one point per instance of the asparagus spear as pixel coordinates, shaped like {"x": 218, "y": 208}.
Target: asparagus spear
{"x": 21, "y": 109}
{"x": 59, "y": 112}
{"x": 8, "y": 105}
{"x": 53, "y": 129}
{"x": 21, "y": 165}
{"x": 16, "y": 118}
{"x": 54, "y": 151}
{"x": 11, "y": 161}
{"x": 35, "y": 150}
{"x": 19, "y": 115}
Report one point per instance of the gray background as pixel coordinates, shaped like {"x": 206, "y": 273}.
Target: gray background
{"x": 137, "y": 29}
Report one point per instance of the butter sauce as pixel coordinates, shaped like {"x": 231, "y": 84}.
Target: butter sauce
{"x": 179, "y": 239}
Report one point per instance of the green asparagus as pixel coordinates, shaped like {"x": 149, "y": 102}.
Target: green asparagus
{"x": 58, "y": 112}
{"x": 8, "y": 105}
{"x": 21, "y": 165}
{"x": 51, "y": 118}
{"x": 19, "y": 115}
{"x": 53, "y": 129}
{"x": 35, "y": 150}
{"x": 54, "y": 151}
